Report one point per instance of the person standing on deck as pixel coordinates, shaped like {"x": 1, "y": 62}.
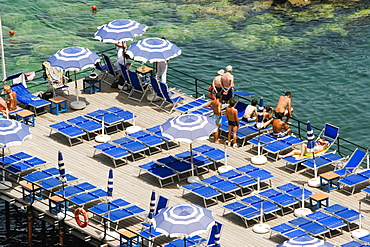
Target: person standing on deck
{"x": 216, "y": 106}
{"x": 217, "y": 86}
{"x": 121, "y": 54}
{"x": 227, "y": 83}
{"x": 233, "y": 121}
{"x": 284, "y": 107}
{"x": 162, "y": 71}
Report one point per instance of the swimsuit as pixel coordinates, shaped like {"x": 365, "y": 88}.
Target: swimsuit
{"x": 280, "y": 134}
{"x": 279, "y": 114}
{"x": 233, "y": 123}
{"x": 217, "y": 118}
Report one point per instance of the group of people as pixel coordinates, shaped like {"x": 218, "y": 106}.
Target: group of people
{"x": 223, "y": 85}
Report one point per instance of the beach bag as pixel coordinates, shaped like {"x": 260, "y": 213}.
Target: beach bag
{"x": 210, "y": 92}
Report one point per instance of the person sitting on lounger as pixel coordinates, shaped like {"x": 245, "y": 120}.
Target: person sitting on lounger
{"x": 250, "y": 113}
{"x": 320, "y": 146}
{"x": 278, "y": 125}
{"x": 11, "y": 102}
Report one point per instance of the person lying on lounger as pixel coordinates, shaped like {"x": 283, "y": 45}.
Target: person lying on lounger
{"x": 320, "y": 146}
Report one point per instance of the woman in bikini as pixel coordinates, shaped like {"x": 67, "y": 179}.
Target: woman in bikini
{"x": 320, "y": 146}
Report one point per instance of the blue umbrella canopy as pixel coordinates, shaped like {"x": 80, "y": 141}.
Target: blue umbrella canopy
{"x": 305, "y": 241}
{"x": 62, "y": 170}
{"x": 260, "y": 114}
{"x": 183, "y": 220}
{"x": 189, "y": 127}
{"x": 13, "y": 133}
{"x": 310, "y": 138}
{"x": 110, "y": 183}
{"x": 74, "y": 58}
{"x": 153, "y": 50}
{"x": 119, "y": 31}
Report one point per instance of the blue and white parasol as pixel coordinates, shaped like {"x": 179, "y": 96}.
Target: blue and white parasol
{"x": 259, "y": 159}
{"x": 119, "y": 31}
{"x": 153, "y": 50}
{"x": 183, "y": 220}
{"x": 188, "y": 128}
{"x": 305, "y": 241}
{"x": 62, "y": 170}
{"x": 74, "y": 59}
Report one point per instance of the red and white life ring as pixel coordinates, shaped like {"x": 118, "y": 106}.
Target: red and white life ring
{"x": 82, "y": 223}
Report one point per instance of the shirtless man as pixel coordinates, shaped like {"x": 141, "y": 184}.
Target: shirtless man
{"x": 233, "y": 120}
{"x": 278, "y": 125}
{"x": 250, "y": 113}
{"x": 11, "y": 102}
{"x": 216, "y": 106}
{"x": 227, "y": 83}
{"x": 217, "y": 86}
{"x": 284, "y": 107}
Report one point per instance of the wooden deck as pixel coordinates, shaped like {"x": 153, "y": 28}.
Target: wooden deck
{"x": 79, "y": 161}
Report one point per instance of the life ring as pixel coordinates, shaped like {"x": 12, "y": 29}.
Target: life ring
{"x": 85, "y": 220}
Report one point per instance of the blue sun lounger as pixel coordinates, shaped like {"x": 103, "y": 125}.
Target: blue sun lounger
{"x": 54, "y": 182}
{"x": 192, "y": 105}
{"x": 243, "y": 181}
{"x": 159, "y": 171}
{"x": 111, "y": 120}
{"x": 244, "y": 211}
{"x": 321, "y": 161}
{"x": 88, "y": 197}
{"x": 295, "y": 191}
{"x": 262, "y": 140}
{"x": 40, "y": 175}
{"x": 208, "y": 194}
{"x": 347, "y": 215}
{"x": 73, "y": 133}
{"x": 274, "y": 148}
{"x": 227, "y": 188}
{"x": 134, "y": 147}
{"x": 284, "y": 201}
{"x": 353, "y": 243}
{"x": 124, "y": 114}
{"x": 309, "y": 226}
{"x": 157, "y": 131}
{"x": 329, "y": 221}
{"x": 38, "y": 105}
{"x": 353, "y": 163}
{"x": 88, "y": 125}
{"x": 124, "y": 213}
{"x": 114, "y": 152}
{"x": 354, "y": 179}
{"x": 102, "y": 208}
{"x": 150, "y": 140}
{"x": 287, "y": 231}
{"x": 73, "y": 190}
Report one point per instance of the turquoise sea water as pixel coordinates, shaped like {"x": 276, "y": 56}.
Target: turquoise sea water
{"x": 319, "y": 52}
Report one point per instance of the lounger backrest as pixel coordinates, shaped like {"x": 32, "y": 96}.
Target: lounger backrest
{"x": 355, "y": 160}
{"x": 164, "y": 90}
{"x": 155, "y": 86}
{"x": 330, "y": 132}
{"x": 124, "y": 73}
{"x": 162, "y": 203}
{"x": 109, "y": 65}
{"x": 134, "y": 79}
{"x": 240, "y": 107}
{"x": 216, "y": 230}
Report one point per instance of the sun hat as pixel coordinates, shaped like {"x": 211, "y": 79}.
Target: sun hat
{"x": 221, "y": 72}
{"x": 229, "y": 68}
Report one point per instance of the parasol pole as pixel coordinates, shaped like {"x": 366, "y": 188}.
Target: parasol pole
{"x": 192, "y": 178}
{"x": 4, "y": 185}
{"x": 2, "y": 51}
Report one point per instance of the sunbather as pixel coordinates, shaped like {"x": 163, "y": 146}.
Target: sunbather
{"x": 320, "y": 146}
{"x": 278, "y": 125}
{"x": 11, "y": 102}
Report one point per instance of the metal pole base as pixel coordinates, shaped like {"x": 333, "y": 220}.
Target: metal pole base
{"x": 193, "y": 179}
{"x": 314, "y": 182}
{"x": 68, "y": 216}
{"x": 358, "y": 233}
{"x": 261, "y": 228}
{"x": 109, "y": 236}
{"x": 77, "y": 105}
{"x": 259, "y": 160}
{"x": 300, "y": 212}
{"x": 102, "y": 138}
{"x": 5, "y": 185}
{"x": 225, "y": 168}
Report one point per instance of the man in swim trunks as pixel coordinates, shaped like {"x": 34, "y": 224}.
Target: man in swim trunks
{"x": 284, "y": 107}
{"x": 278, "y": 125}
{"x": 227, "y": 83}
{"x": 233, "y": 120}
{"x": 216, "y": 83}
{"x": 250, "y": 113}
{"x": 216, "y": 106}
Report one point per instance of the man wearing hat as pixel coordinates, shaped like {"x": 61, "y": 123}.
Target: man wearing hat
{"x": 227, "y": 83}
{"x": 11, "y": 102}
{"x": 217, "y": 81}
